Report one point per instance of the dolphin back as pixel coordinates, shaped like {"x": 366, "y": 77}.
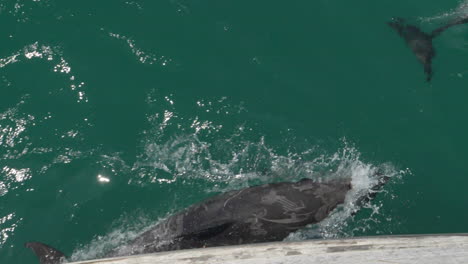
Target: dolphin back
{"x": 255, "y": 214}
{"x": 263, "y": 213}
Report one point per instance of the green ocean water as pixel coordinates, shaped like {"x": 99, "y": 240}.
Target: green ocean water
{"x": 114, "y": 114}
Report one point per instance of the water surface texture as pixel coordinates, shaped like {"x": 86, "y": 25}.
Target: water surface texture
{"x": 114, "y": 114}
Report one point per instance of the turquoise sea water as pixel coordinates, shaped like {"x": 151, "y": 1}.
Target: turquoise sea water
{"x": 114, "y": 114}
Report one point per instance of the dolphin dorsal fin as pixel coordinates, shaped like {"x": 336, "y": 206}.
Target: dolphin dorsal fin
{"x": 45, "y": 253}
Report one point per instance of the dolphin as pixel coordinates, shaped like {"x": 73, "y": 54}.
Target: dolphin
{"x": 263, "y": 213}
{"x": 420, "y": 42}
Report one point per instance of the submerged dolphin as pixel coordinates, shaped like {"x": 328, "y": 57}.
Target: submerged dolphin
{"x": 262, "y": 213}
{"x": 420, "y": 42}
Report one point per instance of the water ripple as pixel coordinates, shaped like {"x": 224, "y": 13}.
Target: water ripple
{"x": 52, "y": 54}
{"x": 142, "y": 56}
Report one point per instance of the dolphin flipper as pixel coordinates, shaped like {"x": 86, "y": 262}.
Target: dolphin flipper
{"x": 45, "y": 253}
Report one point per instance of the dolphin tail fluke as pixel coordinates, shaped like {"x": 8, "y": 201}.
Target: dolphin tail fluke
{"x": 428, "y": 71}
{"x": 45, "y": 253}
{"x": 419, "y": 41}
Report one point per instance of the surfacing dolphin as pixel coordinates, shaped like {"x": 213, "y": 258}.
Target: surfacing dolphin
{"x": 262, "y": 213}
{"x": 420, "y": 42}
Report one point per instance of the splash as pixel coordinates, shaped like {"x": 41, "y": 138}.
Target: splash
{"x": 187, "y": 157}
{"x": 230, "y": 158}
{"x": 364, "y": 176}
{"x": 213, "y": 157}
